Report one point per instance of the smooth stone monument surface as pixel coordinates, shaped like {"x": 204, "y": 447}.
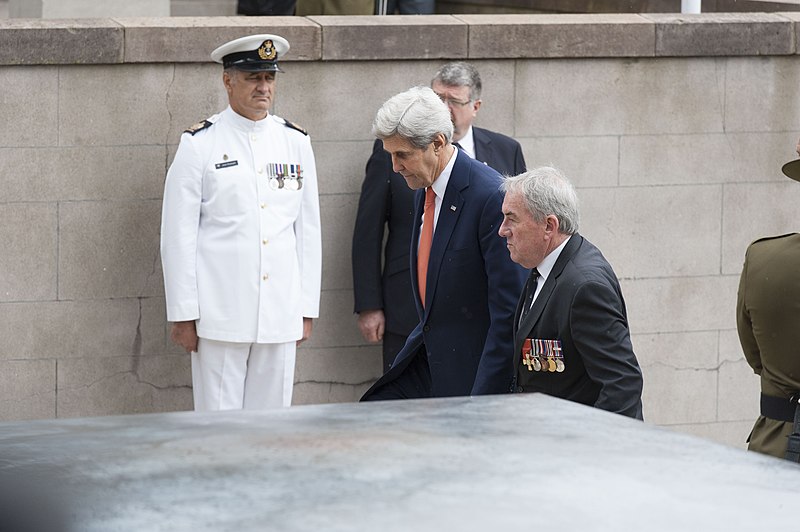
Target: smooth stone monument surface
{"x": 523, "y": 462}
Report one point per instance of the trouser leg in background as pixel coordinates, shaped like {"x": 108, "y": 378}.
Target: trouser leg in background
{"x": 218, "y": 374}
{"x": 233, "y": 376}
{"x": 270, "y": 376}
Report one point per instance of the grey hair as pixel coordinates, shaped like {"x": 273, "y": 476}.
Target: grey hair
{"x": 417, "y": 115}
{"x": 547, "y": 191}
{"x": 460, "y": 74}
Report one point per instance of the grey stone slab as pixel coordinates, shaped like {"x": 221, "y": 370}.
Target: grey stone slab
{"x": 498, "y": 109}
{"x": 68, "y": 329}
{"x": 681, "y": 304}
{"x": 192, "y": 39}
{"x": 586, "y": 161}
{"x": 644, "y": 233}
{"x": 203, "y": 8}
{"x": 704, "y": 158}
{"x": 82, "y": 173}
{"x": 29, "y": 389}
{"x": 311, "y": 393}
{"x": 723, "y": 34}
{"x": 761, "y": 94}
{"x": 336, "y": 326}
{"x": 691, "y": 350}
{"x": 152, "y": 334}
{"x": 694, "y": 389}
{"x": 613, "y": 35}
{"x": 739, "y": 392}
{"x": 341, "y": 165}
{"x": 752, "y": 211}
{"x": 580, "y": 97}
{"x": 395, "y": 37}
{"x": 60, "y": 42}
{"x": 123, "y": 385}
{"x": 109, "y": 249}
{"x": 335, "y": 375}
{"x": 679, "y": 370}
{"x": 338, "y": 213}
{"x": 340, "y": 365}
{"x": 397, "y": 466}
{"x": 114, "y": 105}
{"x": 795, "y": 18}
{"x": 730, "y": 433}
{"x": 88, "y": 8}
{"x": 312, "y": 95}
{"x": 195, "y": 93}
{"x": 29, "y": 233}
{"x": 29, "y": 96}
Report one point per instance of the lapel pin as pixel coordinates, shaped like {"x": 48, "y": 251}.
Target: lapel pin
{"x": 453, "y": 208}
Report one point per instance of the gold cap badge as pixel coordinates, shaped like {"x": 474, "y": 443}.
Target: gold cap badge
{"x": 267, "y": 51}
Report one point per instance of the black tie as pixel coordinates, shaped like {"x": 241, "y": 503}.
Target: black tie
{"x": 530, "y": 291}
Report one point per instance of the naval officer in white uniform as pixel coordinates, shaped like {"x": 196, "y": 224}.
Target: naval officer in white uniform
{"x": 240, "y": 238}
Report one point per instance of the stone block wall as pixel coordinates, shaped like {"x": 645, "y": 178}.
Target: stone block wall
{"x": 676, "y": 155}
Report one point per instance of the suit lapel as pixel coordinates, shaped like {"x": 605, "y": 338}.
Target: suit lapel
{"x": 484, "y": 150}
{"x": 448, "y": 216}
{"x": 547, "y": 290}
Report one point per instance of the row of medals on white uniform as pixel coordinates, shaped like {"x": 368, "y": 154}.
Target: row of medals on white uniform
{"x": 288, "y": 176}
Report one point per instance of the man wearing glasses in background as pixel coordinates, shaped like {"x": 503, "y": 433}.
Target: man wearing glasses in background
{"x": 384, "y": 299}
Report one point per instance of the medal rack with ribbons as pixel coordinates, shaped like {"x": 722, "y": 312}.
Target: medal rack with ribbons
{"x": 285, "y": 176}
{"x": 543, "y": 355}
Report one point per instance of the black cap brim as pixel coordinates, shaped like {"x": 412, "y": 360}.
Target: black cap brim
{"x": 257, "y": 67}
{"x": 792, "y": 169}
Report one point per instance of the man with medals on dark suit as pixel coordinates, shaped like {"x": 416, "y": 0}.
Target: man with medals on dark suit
{"x": 767, "y": 317}
{"x": 464, "y": 283}
{"x": 384, "y": 299}
{"x": 571, "y": 337}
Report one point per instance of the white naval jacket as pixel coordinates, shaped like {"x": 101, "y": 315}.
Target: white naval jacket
{"x": 240, "y": 234}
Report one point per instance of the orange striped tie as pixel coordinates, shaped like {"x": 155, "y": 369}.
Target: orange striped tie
{"x": 425, "y": 240}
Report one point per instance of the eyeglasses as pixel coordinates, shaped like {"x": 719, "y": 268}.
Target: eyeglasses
{"x": 450, "y": 102}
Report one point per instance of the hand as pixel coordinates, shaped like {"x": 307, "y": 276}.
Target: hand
{"x": 307, "y": 324}
{"x": 797, "y": 148}
{"x": 184, "y": 333}
{"x": 372, "y": 324}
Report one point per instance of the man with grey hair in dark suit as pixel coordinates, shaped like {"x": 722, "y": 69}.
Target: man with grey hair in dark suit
{"x": 381, "y": 282}
{"x": 464, "y": 283}
{"x": 571, "y": 337}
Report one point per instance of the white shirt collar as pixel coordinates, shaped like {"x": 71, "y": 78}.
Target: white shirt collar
{"x": 246, "y": 124}
{"x": 440, "y": 185}
{"x": 467, "y": 143}
{"x": 546, "y": 266}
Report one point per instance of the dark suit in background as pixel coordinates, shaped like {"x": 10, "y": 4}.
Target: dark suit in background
{"x": 463, "y": 339}
{"x": 386, "y": 202}
{"x": 581, "y": 306}
{"x": 768, "y": 321}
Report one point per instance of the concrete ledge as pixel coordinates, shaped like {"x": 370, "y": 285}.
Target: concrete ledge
{"x": 334, "y": 38}
{"x": 723, "y": 34}
{"x": 191, "y": 39}
{"x": 396, "y": 37}
{"x": 60, "y": 42}
{"x": 795, "y": 19}
{"x": 515, "y": 36}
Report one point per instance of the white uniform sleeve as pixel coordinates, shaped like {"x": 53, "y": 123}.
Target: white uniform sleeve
{"x": 180, "y": 221}
{"x": 308, "y": 235}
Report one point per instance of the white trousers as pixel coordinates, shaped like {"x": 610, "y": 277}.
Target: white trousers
{"x": 235, "y": 376}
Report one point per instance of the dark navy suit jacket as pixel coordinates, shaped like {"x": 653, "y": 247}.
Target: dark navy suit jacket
{"x": 466, "y": 326}
{"x": 387, "y": 202}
